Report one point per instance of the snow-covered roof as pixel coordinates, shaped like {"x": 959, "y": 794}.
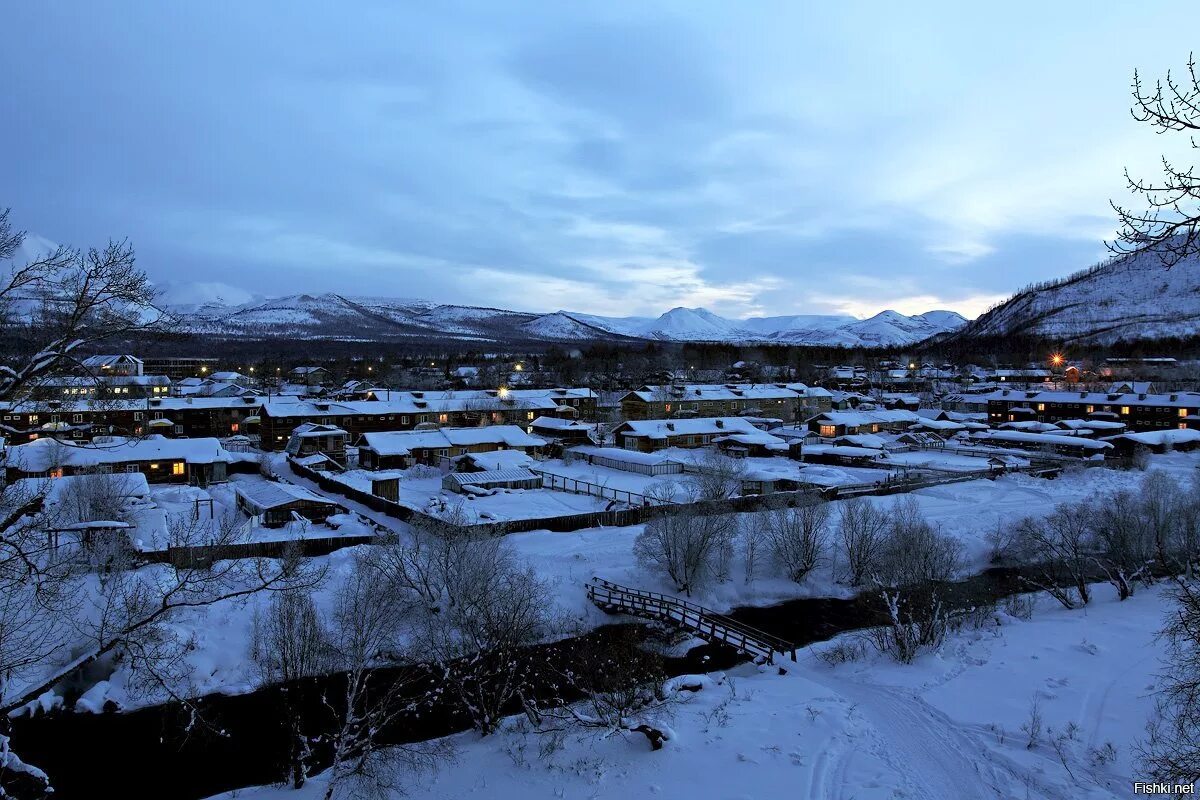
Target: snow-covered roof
{"x": 42, "y": 455}
{"x": 726, "y": 391}
{"x": 698, "y": 426}
{"x": 489, "y": 477}
{"x": 402, "y": 443}
{"x": 622, "y": 455}
{"x": 862, "y": 417}
{"x": 1023, "y": 437}
{"x": 559, "y": 423}
{"x": 1091, "y": 424}
{"x": 1175, "y": 400}
{"x": 429, "y": 402}
{"x": 1170, "y": 436}
{"x": 109, "y": 361}
{"x": 499, "y": 459}
{"x": 265, "y": 495}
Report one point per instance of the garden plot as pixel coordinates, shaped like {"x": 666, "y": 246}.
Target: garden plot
{"x": 421, "y": 489}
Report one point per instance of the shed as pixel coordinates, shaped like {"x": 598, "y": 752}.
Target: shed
{"x": 492, "y": 479}
{"x": 276, "y": 502}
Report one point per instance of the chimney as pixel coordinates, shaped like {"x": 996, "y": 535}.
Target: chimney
{"x": 720, "y": 423}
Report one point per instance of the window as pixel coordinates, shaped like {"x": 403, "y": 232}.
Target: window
{"x": 443, "y": 418}
{"x": 1183, "y": 412}
{"x": 529, "y": 415}
{"x": 132, "y": 468}
{"x": 1125, "y": 410}
{"x": 1090, "y": 409}
{"x": 177, "y": 468}
{"x": 138, "y": 416}
{"x": 77, "y": 418}
{"x": 667, "y": 407}
{"x": 1183, "y": 426}
{"x": 828, "y": 431}
{"x": 403, "y": 420}
{"x": 1041, "y": 406}
{"x": 234, "y": 427}
{"x": 179, "y": 430}
{"x": 56, "y": 472}
{"x": 104, "y": 469}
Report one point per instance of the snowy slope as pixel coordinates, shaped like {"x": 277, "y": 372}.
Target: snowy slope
{"x": 382, "y": 319}
{"x": 1127, "y": 298}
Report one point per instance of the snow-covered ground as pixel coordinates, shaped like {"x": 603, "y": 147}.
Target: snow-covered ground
{"x": 948, "y": 727}
{"x": 969, "y": 511}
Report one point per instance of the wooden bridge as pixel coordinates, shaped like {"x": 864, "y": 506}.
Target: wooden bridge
{"x": 700, "y": 621}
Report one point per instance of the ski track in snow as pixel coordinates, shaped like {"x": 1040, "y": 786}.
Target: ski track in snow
{"x": 930, "y": 755}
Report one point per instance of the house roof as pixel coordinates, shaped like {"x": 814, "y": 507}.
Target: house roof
{"x": 402, "y": 443}
{"x": 489, "y": 477}
{"x": 265, "y": 495}
{"x": 697, "y": 426}
{"x": 42, "y": 455}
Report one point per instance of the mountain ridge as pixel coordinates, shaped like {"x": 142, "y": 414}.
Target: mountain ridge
{"x": 1128, "y": 298}
{"x": 334, "y": 315}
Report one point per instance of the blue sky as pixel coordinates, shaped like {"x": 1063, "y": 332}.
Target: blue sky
{"x": 613, "y": 158}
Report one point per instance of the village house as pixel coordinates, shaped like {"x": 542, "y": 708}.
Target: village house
{"x": 124, "y": 365}
{"x": 656, "y": 434}
{"x": 403, "y": 449}
{"x": 161, "y": 460}
{"x": 566, "y": 431}
{"x": 312, "y": 438}
{"x": 1138, "y": 412}
{"x": 786, "y": 401}
{"x": 839, "y": 423}
{"x": 82, "y": 420}
{"x": 409, "y": 410}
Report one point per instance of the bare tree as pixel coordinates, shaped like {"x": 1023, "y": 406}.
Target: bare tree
{"x": 1171, "y": 752}
{"x": 752, "y": 533}
{"x": 1169, "y": 223}
{"x": 289, "y": 643}
{"x": 481, "y": 641}
{"x": 56, "y": 304}
{"x": 861, "y": 530}
{"x": 365, "y": 632}
{"x": 798, "y": 537}
{"x": 685, "y": 546}
{"x": 1060, "y": 550}
{"x": 1125, "y": 548}
{"x": 915, "y": 559}
{"x": 915, "y": 552}
{"x": 718, "y": 476}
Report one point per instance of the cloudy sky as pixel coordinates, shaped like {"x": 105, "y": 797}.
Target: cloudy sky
{"x": 614, "y": 158}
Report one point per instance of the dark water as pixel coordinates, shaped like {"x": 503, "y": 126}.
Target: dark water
{"x": 158, "y": 752}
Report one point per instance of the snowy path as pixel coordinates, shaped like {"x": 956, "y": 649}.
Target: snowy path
{"x": 929, "y": 754}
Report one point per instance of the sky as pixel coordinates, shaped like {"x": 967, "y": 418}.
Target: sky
{"x": 614, "y": 158}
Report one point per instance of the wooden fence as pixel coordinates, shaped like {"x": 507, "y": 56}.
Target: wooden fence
{"x": 200, "y": 555}
{"x": 552, "y": 480}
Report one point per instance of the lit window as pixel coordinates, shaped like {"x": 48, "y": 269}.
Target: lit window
{"x": 177, "y": 468}
{"x": 154, "y": 466}
{"x": 1124, "y": 409}
{"x": 1041, "y": 406}
{"x": 234, "y": 427}
{"x": 1183, "y": 412}
{"x": 56, "y": 472}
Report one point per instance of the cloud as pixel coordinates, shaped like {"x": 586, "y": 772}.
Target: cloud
{"x": 608, "y": 158}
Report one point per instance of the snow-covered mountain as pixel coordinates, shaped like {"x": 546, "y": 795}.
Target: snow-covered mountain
{"x": 389, "y": 319}
{"x": 1129, "y": 298}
